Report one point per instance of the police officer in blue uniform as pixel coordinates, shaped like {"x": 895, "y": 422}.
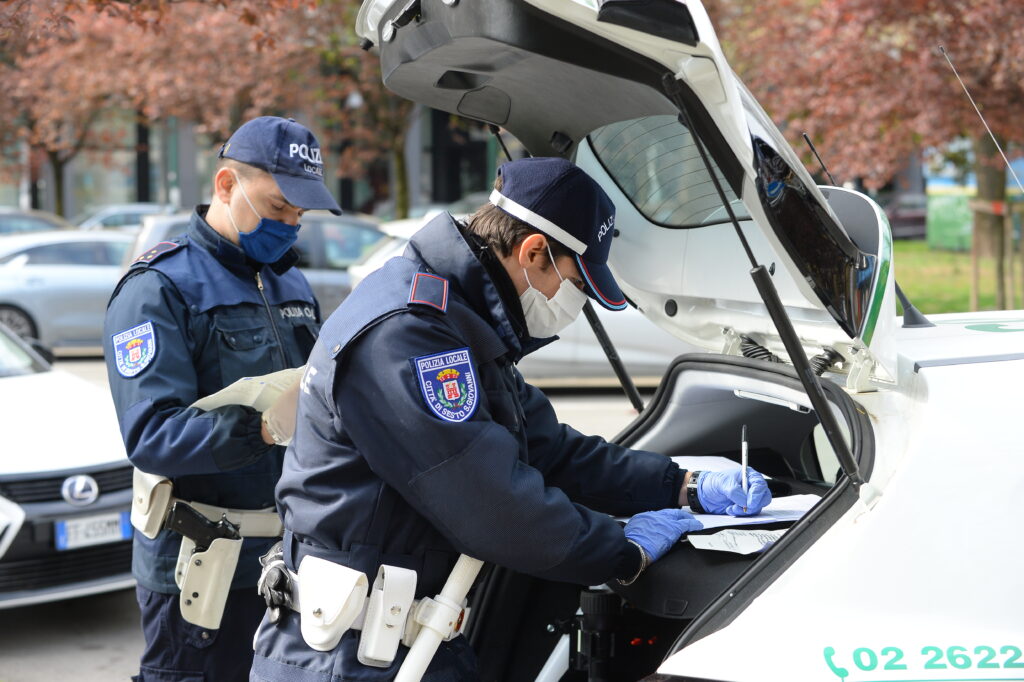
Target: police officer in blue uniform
{"x": 190, "y": 317}
{"x": 418, "y": 439}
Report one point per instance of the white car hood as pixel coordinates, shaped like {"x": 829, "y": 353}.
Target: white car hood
{"x": 63, "y": 422}
{"x": 964, "y": 339}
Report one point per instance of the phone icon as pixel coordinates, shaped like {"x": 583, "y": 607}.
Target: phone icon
{"x": 841, "y": 673}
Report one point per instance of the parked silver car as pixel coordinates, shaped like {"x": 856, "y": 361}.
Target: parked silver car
{"x": 327, "y": 246}
{"x": 16, "y": 221}
{"x": 54, "y": 286}
{"x": 125, "y": 217}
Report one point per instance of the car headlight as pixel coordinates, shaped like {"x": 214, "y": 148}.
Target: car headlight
{"x": 11, "y": 518}
{"x": 369, "y": 17}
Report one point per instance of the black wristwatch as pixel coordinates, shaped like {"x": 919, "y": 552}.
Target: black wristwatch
{"x": 691, "y": 493}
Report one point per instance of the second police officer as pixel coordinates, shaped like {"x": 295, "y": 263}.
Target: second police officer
{"x": 190, "y": 317}
{"x": 418, "y": 439}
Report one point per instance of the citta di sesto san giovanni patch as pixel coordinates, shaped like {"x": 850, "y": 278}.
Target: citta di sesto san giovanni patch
{"x": 448, "y": 384}
{"x": 134, "y": 349}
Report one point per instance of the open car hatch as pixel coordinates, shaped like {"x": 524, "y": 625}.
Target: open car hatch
{"x": 586, "y": 80}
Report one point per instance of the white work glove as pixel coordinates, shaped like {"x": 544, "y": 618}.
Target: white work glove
{"x": 280, "y": 417}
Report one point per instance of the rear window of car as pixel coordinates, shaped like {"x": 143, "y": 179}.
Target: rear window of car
{"x": 116, "y": 252}
{"x": 345, "y": 245}
{"x": 121, "y": 219}
{"x": 656, "y": 164}
{"x": 19, "y": 224}
{"x": 74, "y": 253}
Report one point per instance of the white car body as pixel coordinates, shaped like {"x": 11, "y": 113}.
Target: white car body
{"x": 916, "y": 574}
{"x": 65, "y": 484}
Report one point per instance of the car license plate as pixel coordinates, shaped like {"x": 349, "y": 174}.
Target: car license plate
{"x": 86, "y": 531}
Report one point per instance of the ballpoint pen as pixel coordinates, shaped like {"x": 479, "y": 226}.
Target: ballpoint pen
{"x": 743, "y": 459}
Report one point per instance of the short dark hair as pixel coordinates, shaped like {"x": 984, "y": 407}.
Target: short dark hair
{"x": 503, "y": 232}
{"x": 244, "y": 170}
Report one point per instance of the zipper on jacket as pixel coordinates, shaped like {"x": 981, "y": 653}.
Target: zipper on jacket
{"x": 509, "y": 379}
{"x": 270, "y": 316}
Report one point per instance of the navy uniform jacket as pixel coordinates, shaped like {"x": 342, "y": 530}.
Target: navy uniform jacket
{"x": 185, "y": 321}
{"x": 397, "y": 460}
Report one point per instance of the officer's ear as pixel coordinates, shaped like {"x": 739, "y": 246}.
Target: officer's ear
{"x": 533, "y": 252}
{"x": 223, "y": 183}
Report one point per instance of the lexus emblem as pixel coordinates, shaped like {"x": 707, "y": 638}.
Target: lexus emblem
{"x": 80, "y": 490}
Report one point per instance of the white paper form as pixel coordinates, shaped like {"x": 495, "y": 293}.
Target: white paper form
{"x": 698, "y": 463}
{"x": 789, "y": 508}
{"x": 258, "y": 393}
{"x": 737, "y": 541}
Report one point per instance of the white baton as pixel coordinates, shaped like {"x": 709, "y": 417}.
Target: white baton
{"x": 452, "y": 594}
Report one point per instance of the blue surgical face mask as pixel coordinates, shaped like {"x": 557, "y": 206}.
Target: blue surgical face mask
{"x": 270, "y": 240}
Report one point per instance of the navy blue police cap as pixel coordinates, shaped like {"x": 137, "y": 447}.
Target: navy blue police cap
{"x": 290, "y": 153}
{"x": 556, "y": 197}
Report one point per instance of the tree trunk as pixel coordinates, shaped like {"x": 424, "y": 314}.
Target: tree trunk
{"x": 991, "y": 176}
{"x": 35, "y": 195}
{"x": 57, "y": 164}
{"x": 401, "y": 178}
{"x": 143, "y": 190}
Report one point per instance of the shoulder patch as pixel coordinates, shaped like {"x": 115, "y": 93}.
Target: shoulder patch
{"x": 159, "y": 250}
{"x": 448, "y": 384}
{"x": 428, "y": 289}
{"x": 134, "y": 349}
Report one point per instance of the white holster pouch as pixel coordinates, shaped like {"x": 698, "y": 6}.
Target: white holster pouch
{"x": 387, "y": 612}
{"x": 205, "y": 580}
{"x": 330, "y": 599}
{"x": 151, "y": 500}
{"x": 203, "y": 577}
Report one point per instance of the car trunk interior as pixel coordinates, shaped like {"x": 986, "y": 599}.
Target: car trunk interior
{"x": 699, "y": 411}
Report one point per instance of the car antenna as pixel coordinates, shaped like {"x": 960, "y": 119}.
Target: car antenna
{"x": 777, "y": 312}
{"x": 621, "y": 373}
{"x": 912, "y": 317}
{"x": 983, "y": 121}
{"x": 823, "y": 167}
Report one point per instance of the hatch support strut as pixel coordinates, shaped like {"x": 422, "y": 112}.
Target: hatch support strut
{"x": 770, "y": 296}
{"x": 613, "y": 357}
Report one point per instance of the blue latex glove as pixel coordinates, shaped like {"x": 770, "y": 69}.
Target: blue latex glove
{"x": 721, "y": 492}
{"x": 657, "y": 531}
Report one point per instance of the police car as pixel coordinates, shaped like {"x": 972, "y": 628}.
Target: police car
{"x": 65, "y": 484}
{"x": 908, "y": 565}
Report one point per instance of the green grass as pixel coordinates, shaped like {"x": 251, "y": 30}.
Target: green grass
{"x": 940, "y": 281}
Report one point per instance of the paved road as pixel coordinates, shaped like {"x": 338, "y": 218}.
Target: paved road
{"x": 92, "y": 639}
{"x": 97, "y": 639}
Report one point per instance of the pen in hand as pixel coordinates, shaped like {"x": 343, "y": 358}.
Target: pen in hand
{"x": 743, "y": 458}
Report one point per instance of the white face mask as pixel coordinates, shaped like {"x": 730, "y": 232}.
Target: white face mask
{"x": 546, "y": 317}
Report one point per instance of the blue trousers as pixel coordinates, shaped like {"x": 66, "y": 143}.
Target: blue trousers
{"x": 178, "y": 651}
